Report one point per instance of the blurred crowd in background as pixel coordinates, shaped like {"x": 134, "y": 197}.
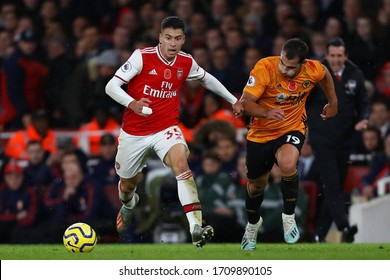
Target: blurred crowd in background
{"x": 58, "y": 128}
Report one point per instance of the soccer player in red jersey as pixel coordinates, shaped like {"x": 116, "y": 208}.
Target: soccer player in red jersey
{"x": 154, "y": 77}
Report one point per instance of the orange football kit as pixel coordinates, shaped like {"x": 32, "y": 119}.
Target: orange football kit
{"x": 274, "y": 90}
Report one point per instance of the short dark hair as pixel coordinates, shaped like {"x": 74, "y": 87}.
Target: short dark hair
{"x": 296, "y": 48}
{"x": 336, "y": 42}
{"x": 172, "y": 22}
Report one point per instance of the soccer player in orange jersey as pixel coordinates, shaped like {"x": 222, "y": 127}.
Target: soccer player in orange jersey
{"x": 274, "y": 97}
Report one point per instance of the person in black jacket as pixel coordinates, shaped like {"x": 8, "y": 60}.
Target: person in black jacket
{"x": 332, "y": 140}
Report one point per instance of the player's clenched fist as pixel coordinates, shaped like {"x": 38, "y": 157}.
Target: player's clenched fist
{"x": 141, "y": 107}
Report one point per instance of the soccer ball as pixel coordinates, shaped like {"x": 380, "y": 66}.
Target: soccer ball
{"x": 79, "y": 237}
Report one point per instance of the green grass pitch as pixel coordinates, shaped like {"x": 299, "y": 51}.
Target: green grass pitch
{"x": 212, "y": 251}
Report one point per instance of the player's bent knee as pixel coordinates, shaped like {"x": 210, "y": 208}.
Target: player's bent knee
{"x": 129, "y": 185}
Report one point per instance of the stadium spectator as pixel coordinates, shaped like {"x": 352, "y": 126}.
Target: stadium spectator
{"x": 69, "y": 199}
{"x": 48, "y": 12}
{"x": 105, "y": 182}
{"x": 197, "y": 30}
{"x": 318, "y": 45}
{"x": 331, "y": 8}
{"x": 94, "y": 44}
{"x": 254, "y": 34}
{"x": 379, "y": 115}
{"x": 252, "y": 55}
{"x": 367, "y": 145}
{"x": 229, "y": 75}
{"x": 146, "y": 13}
{"x": 25, "y": 78}
{"x": 102, "y": 170}
{"x": 38, "y": 174}
{"x": 24, "y": 23}
{"x": 208, "y": 134}
{"x": 235, "y": 44}
{"x": 59, "y": 68}
{"x": 379, "y": 168}
{"x": 89, "y": 135}
{"x": 202, "y": 55}
{"x": 352, "y": 9}
{"x": 307, "y": 164}
{"x": 228, "y": 150}
{"x": 334, "y": 28}
{"x": 191, "y": 101}
{"x": 277, "y": 44}
{"x": 383, "y": 18}
{"x": 18, "y": 205}
{"x": 206, "y": 138}
{"x": 37, "y": 130}
{"x": 152, "y": 33}
{"x": 310, "y": 12}
{"x": 366, "y": 49}
{"x": 8, "y": 111}
{"x": 128, "y": 19}
{"x": 68, "y": 155}
{"x": 120, "y": 40}
{"x": 9, "y": 21}
{"x": 184, "y": 9}
{"x": 5, "y": 44}
{"x": 236, "y": 195}
{"x": 218, "y": 9}
{"x": 31, "y": 9}
{"x": 75, "y": 34}
{"x": 84, "y": 89}
{"x": 64, "y": 145}
{"x": 214, "y": 39}
{"x": 6, "y": 8}
{"x": 213, "y": 109}
{"x": 282, "y": 11}
{"x": 382, "y": 81}
{"x": 291, "y": 28}
{"x": 214, "y": 185}
{"x": 263, "y": 10}
{"x": 228, "y": 22}
{"x": 383, "y": 15}
{"x": 332, "y": 140}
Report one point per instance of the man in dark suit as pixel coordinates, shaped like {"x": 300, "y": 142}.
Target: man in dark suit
{"x": 332, "y": 140}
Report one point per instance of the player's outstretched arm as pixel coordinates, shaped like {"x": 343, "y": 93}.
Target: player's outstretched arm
{"x": 115, "y": 91}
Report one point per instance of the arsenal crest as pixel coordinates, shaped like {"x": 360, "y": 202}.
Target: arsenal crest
{"x": 179, "y": 73}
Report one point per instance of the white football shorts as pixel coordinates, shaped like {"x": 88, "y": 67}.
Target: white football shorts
{"x": 133, "y": 151}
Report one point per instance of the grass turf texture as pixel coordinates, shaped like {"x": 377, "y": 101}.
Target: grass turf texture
{"x": 300, "y": 251}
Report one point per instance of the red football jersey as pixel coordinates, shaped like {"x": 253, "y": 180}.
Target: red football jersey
{"x": 150, "y": 75}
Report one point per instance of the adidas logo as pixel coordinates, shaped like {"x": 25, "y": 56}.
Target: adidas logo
{"x": 294, "y": 232}
{"x": 153, "y": 72}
